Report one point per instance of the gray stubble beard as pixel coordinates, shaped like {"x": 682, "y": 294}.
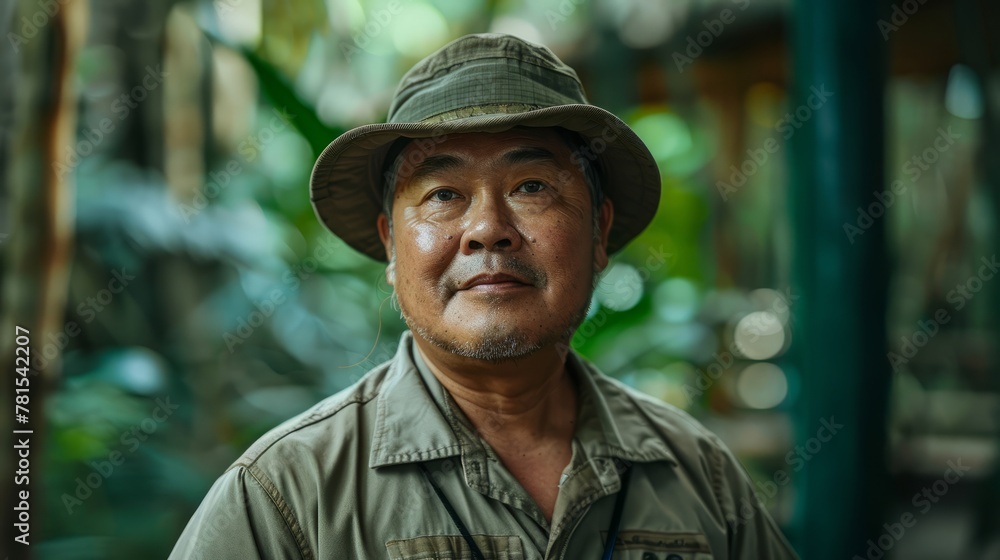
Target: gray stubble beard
{"x": 499, "y": 345}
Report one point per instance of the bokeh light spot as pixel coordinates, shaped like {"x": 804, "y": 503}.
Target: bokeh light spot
{"x": 759, "y": 335}
{"x": 762, "y": 385}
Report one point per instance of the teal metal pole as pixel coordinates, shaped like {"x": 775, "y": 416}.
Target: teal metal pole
{"x": 839, "y": 341}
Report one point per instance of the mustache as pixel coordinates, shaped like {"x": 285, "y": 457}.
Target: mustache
{"x": 494, "y": 264}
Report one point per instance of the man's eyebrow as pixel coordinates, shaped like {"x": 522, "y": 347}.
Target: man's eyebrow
{"x": 528, "y": 155}
{"x": 432, "y": 165}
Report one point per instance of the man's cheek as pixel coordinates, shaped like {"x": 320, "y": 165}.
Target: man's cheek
{"x": 577, "y": 201}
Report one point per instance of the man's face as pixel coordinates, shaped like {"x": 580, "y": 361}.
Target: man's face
{"x": 494, "y": 243}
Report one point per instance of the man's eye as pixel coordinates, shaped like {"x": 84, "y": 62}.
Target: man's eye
{"x": 443, "y": 195}
{"x": 532, "y": 187}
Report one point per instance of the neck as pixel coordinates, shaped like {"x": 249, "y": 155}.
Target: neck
{"x": 531, "y": 399}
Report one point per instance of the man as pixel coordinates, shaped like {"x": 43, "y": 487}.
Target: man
{"x": 495, "y": 193}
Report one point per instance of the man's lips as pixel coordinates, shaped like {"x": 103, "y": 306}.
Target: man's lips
{"x": 493, "y": 281}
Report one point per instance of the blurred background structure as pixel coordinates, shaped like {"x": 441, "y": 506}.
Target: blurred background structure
{"x": 817, "y": 287}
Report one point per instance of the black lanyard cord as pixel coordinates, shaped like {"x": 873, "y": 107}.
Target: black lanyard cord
{"x": 616, "y": 515}
{"x": 476, "y": 553}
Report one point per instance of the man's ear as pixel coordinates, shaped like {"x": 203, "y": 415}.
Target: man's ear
{"x": 382, "y": 223}
{"x": 604, "y": 222}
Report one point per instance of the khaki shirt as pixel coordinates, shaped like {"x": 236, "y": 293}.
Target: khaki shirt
{"x": 341, "y": 482}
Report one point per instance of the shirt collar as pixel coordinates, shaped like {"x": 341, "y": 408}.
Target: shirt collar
{"x": 416, "y": 420}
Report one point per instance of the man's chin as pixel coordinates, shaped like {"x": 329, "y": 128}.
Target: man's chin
{"x": 499, "y": 341}
{"x": 489, "y": 347}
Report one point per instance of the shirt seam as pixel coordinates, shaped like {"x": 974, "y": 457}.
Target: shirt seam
{"x": 727, "y": 506}
{"x": 309, "y": 420}
{"x": 291, "y": 523}
{"x": 418, "y": 456}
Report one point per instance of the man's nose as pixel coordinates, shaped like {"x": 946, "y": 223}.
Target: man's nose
{"x": 490, "y": 227}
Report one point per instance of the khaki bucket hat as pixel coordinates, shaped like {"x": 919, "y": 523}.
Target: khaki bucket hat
{"x": 482, "y": 83}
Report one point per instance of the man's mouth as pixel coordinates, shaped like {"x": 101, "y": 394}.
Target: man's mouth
{"x": 494, "y": 282}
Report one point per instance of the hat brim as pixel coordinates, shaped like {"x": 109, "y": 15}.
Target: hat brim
{"x": 346, "y": 182}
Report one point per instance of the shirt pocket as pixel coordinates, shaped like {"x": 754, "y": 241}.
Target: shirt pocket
{"x": 651, "y": 545}
{"x": 454, "y": 547}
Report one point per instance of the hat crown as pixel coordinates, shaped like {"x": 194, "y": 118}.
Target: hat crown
{"x": 483, "y": 74}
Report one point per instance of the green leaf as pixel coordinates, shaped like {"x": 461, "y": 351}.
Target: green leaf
{"x": 280, "y": 94}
